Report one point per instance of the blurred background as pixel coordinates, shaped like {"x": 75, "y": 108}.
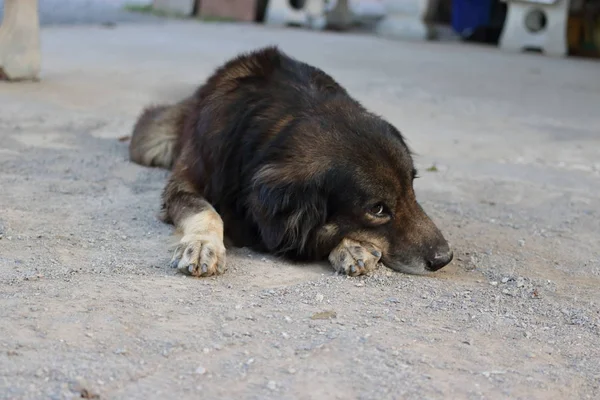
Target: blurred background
{"x": 473, "y": 21}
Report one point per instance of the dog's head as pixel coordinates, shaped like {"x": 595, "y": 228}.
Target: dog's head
{"x": 350, "y": 176}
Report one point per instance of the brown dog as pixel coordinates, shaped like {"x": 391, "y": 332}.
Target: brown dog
{"x": 276, "y": 155}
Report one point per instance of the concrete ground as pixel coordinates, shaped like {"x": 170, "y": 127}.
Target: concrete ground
{"x": 88, "y": 306}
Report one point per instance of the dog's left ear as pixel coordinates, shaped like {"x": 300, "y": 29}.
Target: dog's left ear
{"x": 288, "y": 212}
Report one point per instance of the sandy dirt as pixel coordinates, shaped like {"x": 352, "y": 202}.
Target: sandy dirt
{"x": 89, "y": 307}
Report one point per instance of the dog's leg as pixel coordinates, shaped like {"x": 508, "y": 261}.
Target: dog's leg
{"x": 354, "y": 258}
{"x": 201, "y": 251}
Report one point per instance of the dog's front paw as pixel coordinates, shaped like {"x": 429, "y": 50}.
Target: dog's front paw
{"x": 354, "y": 258}
{"x": 200, "y": 255}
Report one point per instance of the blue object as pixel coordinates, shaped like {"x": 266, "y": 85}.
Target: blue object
{"x": 468, "y": 15}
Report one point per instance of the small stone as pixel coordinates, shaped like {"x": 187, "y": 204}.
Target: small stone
{"x": 527, "y": 334}
{"x": 487, "y": 374}
{"x": 272, "y": 385}
{"x": 287, "y": 319}
{"x": 206, "y": 350}
{"x": 319, "y": 298}
{"x": 494, "y": 283}
{"x": 521, "y": 242}
{"x": 121, "y": 351}
{"x": 504, "y": 280}
{"x": 324, "y": 315}
{"x": 285, "y": 335}
{"x": 291, "y": 371}
{"x": 200, "y": 370}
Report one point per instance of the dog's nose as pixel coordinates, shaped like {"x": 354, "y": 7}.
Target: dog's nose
{"x": 439, "y": 260}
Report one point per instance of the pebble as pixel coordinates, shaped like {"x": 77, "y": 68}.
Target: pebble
{"x": 272, "y": 385}
{"x": 319, "y": 297}
{"x": 504, "y": 280}
{"x": 494, "y": 283}
{"x": 200, "y": 370}
{"x": 487, "y": 374}
{"x": 324, "y": 315}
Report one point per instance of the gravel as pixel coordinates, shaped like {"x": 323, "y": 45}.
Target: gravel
{"x": 90, "y": 308}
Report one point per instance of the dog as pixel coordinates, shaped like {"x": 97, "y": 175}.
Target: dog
{"x": 273, "y": 154}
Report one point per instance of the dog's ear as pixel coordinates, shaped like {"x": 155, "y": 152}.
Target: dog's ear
{"x": 287, "y": 211}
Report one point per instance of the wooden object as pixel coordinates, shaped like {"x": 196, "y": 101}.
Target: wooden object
{"x": 20, "y": 55}
{"x": 236, "y": 10}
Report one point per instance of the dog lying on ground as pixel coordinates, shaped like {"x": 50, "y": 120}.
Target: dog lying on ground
{"x": 274, "y": 154}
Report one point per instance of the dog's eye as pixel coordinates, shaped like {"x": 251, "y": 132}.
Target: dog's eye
{"x": 378, "y": 210}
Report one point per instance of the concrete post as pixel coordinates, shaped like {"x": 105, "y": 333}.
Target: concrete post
{"x": 20, "y": 55}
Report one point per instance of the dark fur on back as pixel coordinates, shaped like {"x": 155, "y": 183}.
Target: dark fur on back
{"x": 288, "y": 159}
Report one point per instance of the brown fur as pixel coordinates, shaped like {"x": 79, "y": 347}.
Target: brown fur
{"x": 274, "y": 153}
